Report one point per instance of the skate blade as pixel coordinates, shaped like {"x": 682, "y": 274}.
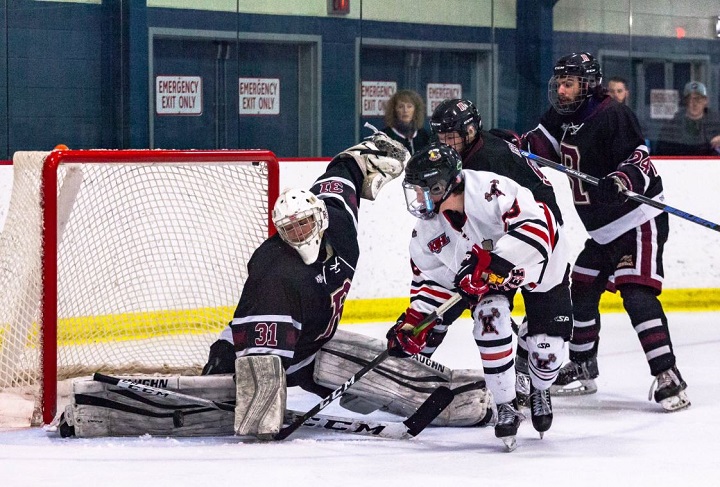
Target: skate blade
{"x": 583, "y": 389}
{"x": 510, "y": 443}
{"x": 675, "y": 403}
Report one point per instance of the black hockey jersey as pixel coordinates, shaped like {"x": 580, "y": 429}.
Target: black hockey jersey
{"x": 291, "y": 309}
{"x": 493, "y": 154}
{"x": 603, "y": 136}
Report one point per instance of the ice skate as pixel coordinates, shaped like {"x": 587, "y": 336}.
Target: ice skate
{"x": 576, "y": 379}
{"x": 522, "y": 382}
{"x": 668, "y": 389}
{"x": 540, "y": 410}
{"x": 507, "y": 424}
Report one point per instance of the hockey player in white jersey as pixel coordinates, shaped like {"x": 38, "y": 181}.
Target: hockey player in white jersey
{"x": 484, "y": 235}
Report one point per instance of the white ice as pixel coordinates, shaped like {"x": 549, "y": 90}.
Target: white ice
{"x": 614, "y": 437}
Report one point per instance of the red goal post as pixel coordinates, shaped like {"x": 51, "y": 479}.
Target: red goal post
{"x": 124, "y": 261}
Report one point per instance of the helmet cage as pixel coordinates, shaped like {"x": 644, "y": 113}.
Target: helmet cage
{"x": 582, "y": 66}
{"x": 301, "y": 218}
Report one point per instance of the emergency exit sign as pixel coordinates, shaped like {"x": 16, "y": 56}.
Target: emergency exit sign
{"x": 178, "y": 95}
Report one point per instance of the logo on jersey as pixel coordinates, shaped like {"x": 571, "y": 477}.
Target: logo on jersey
{"x": 436, "y": 245}
{"x": 626, "y": 262}
{"x": 331, "y": 187}
{"x": 494, "y": 191}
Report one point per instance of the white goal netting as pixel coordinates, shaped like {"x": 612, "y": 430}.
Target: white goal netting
{"x": 151, "y": 254}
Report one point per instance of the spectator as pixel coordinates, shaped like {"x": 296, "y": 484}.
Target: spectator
{"x": 405, "y": 120}
{"x": 618, "y": 89}
{"x": 694, "y": 131}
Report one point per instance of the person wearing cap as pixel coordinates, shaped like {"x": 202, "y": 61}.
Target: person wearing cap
{"x": 694, "y": 131}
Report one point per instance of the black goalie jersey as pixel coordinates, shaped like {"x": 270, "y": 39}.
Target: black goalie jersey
{"x": 291, "y": 309}
{"x": 603, "y": 136}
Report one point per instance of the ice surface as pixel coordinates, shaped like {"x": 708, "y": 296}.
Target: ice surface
{"x": 615, "y": 437}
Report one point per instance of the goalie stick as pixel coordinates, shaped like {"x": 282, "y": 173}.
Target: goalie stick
{"x": 439, "y": 311}
{"x": 411, "y": 427}
{"x": 630, "y": 194}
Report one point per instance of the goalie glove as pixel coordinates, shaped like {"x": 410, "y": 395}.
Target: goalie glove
{"x": 381, "y": 160}
{"x": 401, "y": 341}
{"x": 472, "y": 278}
{"x": 611, "y": 188}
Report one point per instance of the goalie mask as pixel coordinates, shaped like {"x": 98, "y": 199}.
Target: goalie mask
{"x": 301, "y": 218}
{"x": 575, "y": 78}
{"x": 430, "y": 176}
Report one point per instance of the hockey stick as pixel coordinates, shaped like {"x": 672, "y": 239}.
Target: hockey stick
{"x": 411, "y": 427}
{"x": 287, "y": 430}
{"x": 630, "y": 194}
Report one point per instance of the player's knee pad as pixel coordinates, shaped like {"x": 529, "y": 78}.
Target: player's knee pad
{"x": 399, "y": 385}
{"x": 545, "y": 356}
{"x": 261, "y": 396}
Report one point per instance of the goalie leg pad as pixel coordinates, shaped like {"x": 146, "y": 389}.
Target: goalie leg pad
{"x": 400, "y": 385}
{"x": 261, "y": 396}
{"x": 100, "y": 410}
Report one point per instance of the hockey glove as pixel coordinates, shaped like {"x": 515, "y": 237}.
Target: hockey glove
{"x": 380, "y": 159}
{"x": 472, "y": 278}
{"x": 401, "y": 342}
{"x": 611, "y": 188}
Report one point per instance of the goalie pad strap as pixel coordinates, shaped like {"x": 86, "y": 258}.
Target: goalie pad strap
{"x": 400, "y": 385}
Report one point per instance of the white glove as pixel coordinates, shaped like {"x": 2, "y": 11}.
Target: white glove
{"x": 381, "y": 160}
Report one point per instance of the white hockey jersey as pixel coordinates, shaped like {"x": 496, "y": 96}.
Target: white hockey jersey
{"x": 500, "y": 216}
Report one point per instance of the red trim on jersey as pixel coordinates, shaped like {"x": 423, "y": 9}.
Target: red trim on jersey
{"x": 426, "y": 290}
{"x": 550, "y": 223}
{"x": 538, "y": 232}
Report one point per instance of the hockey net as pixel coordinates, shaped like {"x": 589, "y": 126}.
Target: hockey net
{"x": 128, "y": 261}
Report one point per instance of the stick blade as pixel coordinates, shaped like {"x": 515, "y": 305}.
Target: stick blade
{"x": 429, "y": 410}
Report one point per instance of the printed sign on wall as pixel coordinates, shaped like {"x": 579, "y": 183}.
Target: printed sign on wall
{"x": 259, "y": 96}
{"x": 437, "y": 92}
{"x": 375, "y": 95}
{"x": 663, "y": 104}
{"x": 178, "y": 95}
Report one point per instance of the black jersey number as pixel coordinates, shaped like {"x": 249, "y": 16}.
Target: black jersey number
{"x": 571, "y": 159}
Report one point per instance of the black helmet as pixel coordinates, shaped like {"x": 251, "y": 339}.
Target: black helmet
{"x": 431, "y": 173}
{"x": 455, "y": 115}
{"x": 586, "y": 68}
